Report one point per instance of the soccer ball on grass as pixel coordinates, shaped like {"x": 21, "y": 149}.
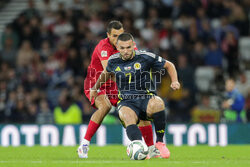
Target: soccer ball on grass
{"x": 137, "y": 150}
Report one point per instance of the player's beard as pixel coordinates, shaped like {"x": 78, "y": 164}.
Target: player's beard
{"x": 127, "y": 56}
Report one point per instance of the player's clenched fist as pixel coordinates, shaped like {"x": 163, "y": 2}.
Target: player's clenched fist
{"x": 175, "y": 85}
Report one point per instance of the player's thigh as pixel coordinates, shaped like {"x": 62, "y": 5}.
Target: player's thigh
{"x": 144, "y": 123}
{"x": 155, "y": 104}
{"x": 127, "y": 116}
{"x": 102, "y": 103}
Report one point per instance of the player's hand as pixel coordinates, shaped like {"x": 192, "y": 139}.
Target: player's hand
{"x": 175, "y": 85}
{"x": 227, "y": 104}
{"x": 93, "y": 93}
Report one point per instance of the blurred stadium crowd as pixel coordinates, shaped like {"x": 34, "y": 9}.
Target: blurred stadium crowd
{"x": 46, "y": 51}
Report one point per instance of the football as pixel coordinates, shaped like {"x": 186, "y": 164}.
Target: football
{"x": 137, "y": 150}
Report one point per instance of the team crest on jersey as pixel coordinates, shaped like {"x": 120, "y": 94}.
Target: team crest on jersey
{"x": 104, "y": 53}
{"x": 137, "y": 66}
{"x": 127, "y": 68}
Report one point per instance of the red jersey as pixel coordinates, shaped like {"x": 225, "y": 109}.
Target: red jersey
{"x": 102, "y": 51}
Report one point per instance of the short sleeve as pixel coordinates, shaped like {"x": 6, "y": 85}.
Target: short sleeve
{"x": 104, "y": 53}
{"x": 156, "y": 62}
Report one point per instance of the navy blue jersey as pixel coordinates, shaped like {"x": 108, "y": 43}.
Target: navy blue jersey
{"x": 134, "y": 77}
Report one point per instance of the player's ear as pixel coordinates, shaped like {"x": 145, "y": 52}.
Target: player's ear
{"x": 108, "y": 35}
{"x": 133, "y": 44}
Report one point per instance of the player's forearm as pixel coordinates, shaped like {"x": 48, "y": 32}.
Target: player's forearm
{"x": 101, "y": 80}
{"x": 171, "y": 71}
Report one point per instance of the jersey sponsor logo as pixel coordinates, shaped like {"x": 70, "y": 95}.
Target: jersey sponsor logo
{"x": 137, "y": 66}
{"x": 104, "y": 53}
{"x": 127, "y": 68}
{"x": 118, "y": 69}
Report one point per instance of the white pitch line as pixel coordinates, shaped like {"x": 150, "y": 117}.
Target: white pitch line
{"x": 34, "y": 162}
{"x": 101, "y": 162}
{"x": 72, "y": 162}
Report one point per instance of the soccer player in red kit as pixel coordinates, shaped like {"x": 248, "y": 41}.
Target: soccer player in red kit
{"x": 107, "y": 95}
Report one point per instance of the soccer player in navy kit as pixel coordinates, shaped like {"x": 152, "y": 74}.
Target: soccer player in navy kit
{"x": 137, "y": 100}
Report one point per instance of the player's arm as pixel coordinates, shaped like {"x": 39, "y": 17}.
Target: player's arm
{"x": 173, "y": 75}
{"x": 101, "y": 80}
{"x": 104, "y": 63}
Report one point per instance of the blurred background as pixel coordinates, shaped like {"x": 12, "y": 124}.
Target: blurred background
{"x": 46, "y": 47}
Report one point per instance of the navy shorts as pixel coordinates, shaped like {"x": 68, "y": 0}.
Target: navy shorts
{"x": 139, "y": 106}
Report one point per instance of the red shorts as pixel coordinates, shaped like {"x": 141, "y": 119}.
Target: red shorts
{"x": 110, "y": 91}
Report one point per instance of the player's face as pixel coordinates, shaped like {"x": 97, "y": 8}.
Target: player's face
{"x": 114, "y": 35}
{"x": 230, "y": 85}
{"x": 126, "y": 49}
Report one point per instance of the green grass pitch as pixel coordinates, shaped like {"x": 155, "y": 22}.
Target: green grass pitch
{"x": 115, "y": 156}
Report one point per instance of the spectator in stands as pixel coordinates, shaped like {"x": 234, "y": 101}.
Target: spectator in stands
{"x": 204, "y": 111}
{"x": 237, "y": 16}
{"x": 61, "y": 53}
{"x": 198, "y": 54}
{"x": 225, "y": 26}
{"x": 8, "y": 54}
{"x": 74, "y": 61}
{"x": 9, "y": 107}
{"x": 45, "y": 50}
{"x": 61, "y": 75}
{"x": 214, "y": 55}
{"x": 234, "y": 104}
{"x": 215, "y": 9}
{"x": 3, "y": 97}
{"x": 32, "y": 110}
{"x": 10, "y": 34}
{"x": 243, "y": 84}
{"x": 47, "y": 6}
{"x": 44, "y": 115}
{"x": 178, "y": 47}
{"x": 24, "y": 56}
{"x": 67, "y": 112}
{"x": 19, "y": 113}
{"x": 35, "y": 32}
{"x": 31, "y": 10}
{"x": 13, "y": 80}
{"x": 62, "y": 26}
{"x": 230, "y": 49}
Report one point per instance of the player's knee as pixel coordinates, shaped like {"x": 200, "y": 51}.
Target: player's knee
{"x": 128, "y": 117}
{"x": 104, "y": 108}
{"x": 155, "y": 105}
{"x": 158, "y": 105}
{"x": 103, "y": 104}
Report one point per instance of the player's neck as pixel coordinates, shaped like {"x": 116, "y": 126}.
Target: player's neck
{"x": 112, "y": 44}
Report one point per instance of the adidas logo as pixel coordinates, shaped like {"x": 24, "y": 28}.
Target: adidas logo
{"x": 118, "y": 69}
{"x": 160, "y": 131}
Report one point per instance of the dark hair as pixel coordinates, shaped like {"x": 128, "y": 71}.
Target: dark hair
{"x": 232, "y": 78}
{"x": 114, "y": 25}
{"x": 125, "y": 37}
